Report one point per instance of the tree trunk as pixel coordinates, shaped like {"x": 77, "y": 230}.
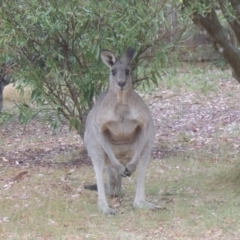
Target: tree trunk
{"x": 211, "y": 24}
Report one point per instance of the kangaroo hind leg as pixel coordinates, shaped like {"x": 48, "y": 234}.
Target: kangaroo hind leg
{"x": 98, "y": 163}
{"x": 113, "y": 186}
{"x": 140, "y": 198}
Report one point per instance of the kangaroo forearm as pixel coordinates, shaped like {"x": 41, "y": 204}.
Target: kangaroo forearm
{"x": 108, "y": 150}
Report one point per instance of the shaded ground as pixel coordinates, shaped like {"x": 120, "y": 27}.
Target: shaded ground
{"x": 36, "y": 144}
{"x": 183, "y": 119}
{"x": 193, "y": 120}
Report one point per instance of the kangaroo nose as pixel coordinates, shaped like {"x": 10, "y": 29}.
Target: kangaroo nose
{"x": 121, "y": 84}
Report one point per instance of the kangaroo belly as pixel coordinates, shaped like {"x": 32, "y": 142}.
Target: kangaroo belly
{"x": 123, "y": 137}
{"x": 124, "y": 152}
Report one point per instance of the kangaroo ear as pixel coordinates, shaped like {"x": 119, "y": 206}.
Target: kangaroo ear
{"x": 108, "y": 58}
{"x": 128, "y": 55}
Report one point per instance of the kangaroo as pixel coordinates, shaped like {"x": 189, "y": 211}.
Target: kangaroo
{"x": 119, "y": 134}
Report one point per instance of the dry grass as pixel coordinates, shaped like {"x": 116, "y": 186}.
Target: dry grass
{"x": 50, "y": 203}
{"x": 11, "y": 95}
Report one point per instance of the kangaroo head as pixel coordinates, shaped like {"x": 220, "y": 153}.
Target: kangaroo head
{"x": 120, "y": 71}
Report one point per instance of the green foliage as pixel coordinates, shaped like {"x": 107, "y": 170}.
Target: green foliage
{"x": 56, "y": 46}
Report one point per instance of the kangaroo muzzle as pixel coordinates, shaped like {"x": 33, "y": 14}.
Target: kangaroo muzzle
{"x": 121, "y": 84}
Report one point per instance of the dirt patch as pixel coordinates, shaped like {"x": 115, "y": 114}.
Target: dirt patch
{"x": 36, "y": 144}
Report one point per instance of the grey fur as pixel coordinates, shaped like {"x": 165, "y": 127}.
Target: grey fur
{"x": 119, "y": 134}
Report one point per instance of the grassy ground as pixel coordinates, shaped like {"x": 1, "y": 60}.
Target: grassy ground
{"x": 50, "y": 203}
{"x": 192, "y": 179}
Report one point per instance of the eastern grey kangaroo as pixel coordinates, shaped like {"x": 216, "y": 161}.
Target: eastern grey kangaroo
{"x": 119, "y": 134}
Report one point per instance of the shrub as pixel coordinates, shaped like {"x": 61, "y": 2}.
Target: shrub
{"x": 56, "y": 46}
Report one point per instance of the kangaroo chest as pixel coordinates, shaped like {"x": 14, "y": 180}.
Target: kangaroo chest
{"x": 122, "y": 126}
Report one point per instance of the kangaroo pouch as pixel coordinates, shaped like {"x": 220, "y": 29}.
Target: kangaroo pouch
{"x": 124, "y": 152}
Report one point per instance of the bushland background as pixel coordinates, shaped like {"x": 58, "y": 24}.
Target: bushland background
{"x": 187, "y": 70}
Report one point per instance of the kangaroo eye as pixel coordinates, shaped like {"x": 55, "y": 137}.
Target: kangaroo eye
{"x": 114, "y": 72}
{"x": 127, "y": 71}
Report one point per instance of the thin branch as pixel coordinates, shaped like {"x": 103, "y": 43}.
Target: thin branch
{"x": 215, "y": 30}
{"x": 234, "y": 21}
